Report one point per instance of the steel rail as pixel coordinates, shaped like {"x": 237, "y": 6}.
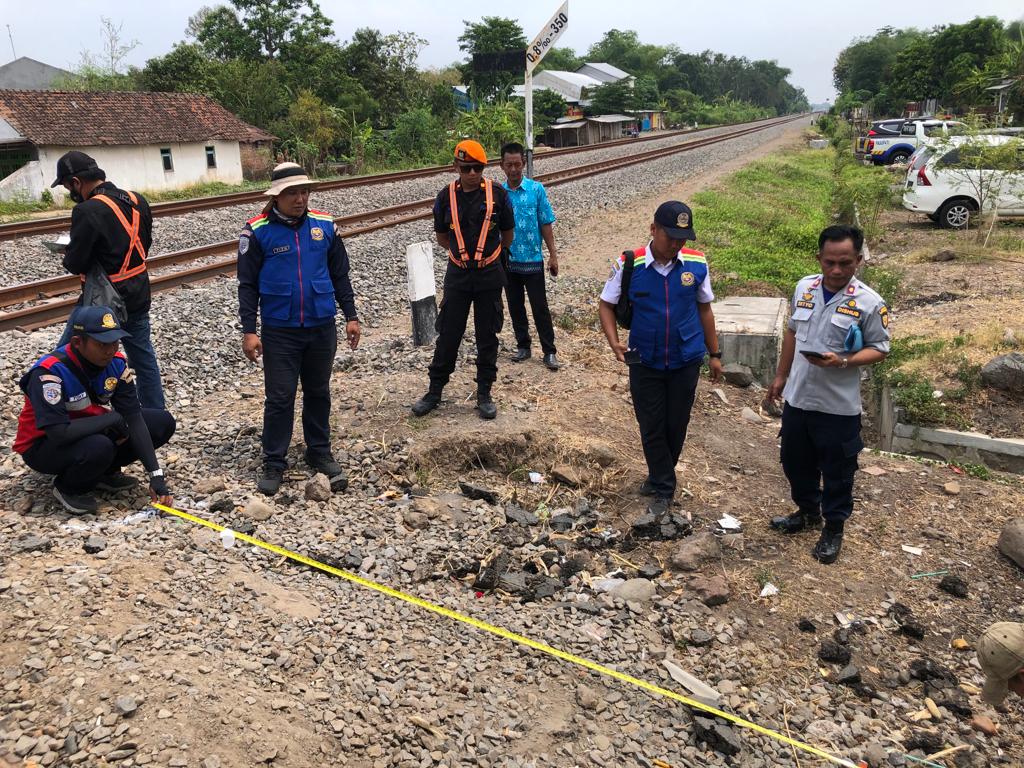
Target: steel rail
{"x": 177, "y": 207}
{"x": 39, "y": 315}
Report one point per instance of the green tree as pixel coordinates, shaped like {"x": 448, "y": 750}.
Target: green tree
{"x": 624, "y": 50}
{"x": 561, "y": 60}
{"x": 492, "y": 34}
{"x": 493, "y": 124}
{"x": 185, "y": 69}
{"x": 610, "y": 98}
{"x": 385, "y": 66}
{"x": 265, "y": 28}
{"x": 419, "y": 136}
{"x": 548, "y": 106}
{"x": 256, "y": 91}
{"x": 310, "y": 131}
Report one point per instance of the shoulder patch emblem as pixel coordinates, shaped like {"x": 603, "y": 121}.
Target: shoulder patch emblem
{"x": 51, "y": 392}
{"x": 851, "y": 289}
{"x": 687, "y": 278}
{"x": 110, "y": 383}
{"x": 883, "y": 313}
{"x": 108, "y": 321}
{"x": 243, "y": 245}
{"x": 316, "y": 233}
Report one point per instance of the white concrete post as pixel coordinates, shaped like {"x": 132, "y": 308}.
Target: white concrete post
{"x": 419, "y": 259}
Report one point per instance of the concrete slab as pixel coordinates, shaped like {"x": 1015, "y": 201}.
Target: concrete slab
{"x": 750, "y": 332}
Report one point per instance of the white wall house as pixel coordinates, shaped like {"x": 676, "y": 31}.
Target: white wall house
{"x": 142, "y": 141}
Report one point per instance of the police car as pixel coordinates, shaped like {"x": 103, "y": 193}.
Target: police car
{"x": 889, "y": 150}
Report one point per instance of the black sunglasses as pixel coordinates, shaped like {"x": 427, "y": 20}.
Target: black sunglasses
{"x": 471, "y": 168}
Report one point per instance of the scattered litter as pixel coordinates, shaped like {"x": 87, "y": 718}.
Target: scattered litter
{"x": 929, "y": 573}
{"x": 595, "y": 631}
{"x": 699, "y": 689}
{"x": 769, "y": 590}
{"x": 720, "y": 394}
{"x": 729, "y": 523}
{"x": 618, "y": 573}
{"x": 135, "y": 517}
{"x": 536, "y": 477}
{"x": 874, "y": 470}
{"x": 227, "y": 538}
{"x": 845, "y": 619}
{"x": 912, "y": 550}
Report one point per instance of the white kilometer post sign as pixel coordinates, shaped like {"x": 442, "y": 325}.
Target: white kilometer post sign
{"x": 541, "y": 44}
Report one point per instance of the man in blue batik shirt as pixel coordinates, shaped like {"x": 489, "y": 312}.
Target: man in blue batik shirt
{"x": 525, "y": 266}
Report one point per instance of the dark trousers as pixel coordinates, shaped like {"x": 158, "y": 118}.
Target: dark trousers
{"x": 532, "y": 284}
{"x": 291, "y": 355}
{"x": 819, "y": 457}
{"x": 662, "y": 401}
{"x": 488, "y": 317}
{"x": 80, "y": 466}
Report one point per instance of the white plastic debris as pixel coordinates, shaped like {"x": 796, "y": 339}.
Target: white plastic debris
{"x": 698, "y": 688}
{"x": 769, "y": 589}
{"x": 227, "y": 538}
{"x": 845, "y": 619}
{"x": 729, "y": 523}
{"x": 536, "y": 477}
{"x": 912, "y": 550}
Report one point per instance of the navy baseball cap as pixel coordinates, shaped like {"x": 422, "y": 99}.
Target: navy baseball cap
{"x": 99, "y": 323}
{"x": 676, "y": 219}
{"x": 73, "y": 163}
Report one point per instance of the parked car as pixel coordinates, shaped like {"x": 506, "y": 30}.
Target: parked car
{"x": 945, "y": 186}
{"x": 890, "y": 127}
{"x": 887, "y": 150}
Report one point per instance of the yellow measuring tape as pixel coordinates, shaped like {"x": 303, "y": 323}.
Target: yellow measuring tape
{"x": 508, "y": 635}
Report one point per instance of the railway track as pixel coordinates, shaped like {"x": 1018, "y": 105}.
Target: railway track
{"x": 52, "y": 308}
{"x": 177, "y": 207}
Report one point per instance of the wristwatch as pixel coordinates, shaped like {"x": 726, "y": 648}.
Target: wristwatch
{"x": 716, "y": 355}
{"x": 846, "y": 362}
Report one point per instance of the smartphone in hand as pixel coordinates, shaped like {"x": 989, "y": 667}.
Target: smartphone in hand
{"x": 632, "y": 356}
{"x": 812, "y": 353}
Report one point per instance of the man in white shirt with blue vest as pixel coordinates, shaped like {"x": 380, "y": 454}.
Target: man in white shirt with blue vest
{"x": 672, "y": 329}
{"x": 837, "y": 325}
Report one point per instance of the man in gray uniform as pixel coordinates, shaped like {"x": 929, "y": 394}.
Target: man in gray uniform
{"x": 837, "y": 325}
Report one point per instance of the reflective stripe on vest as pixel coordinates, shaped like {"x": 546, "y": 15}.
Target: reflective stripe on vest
{"x": 478, "y": 255}
{"x": 134, "y": 243}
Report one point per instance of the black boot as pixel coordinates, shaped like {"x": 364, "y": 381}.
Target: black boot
{"x": 485, "y": 405}
{"x": 796, "y": 522}
{"x": 270, "y": 480}
{"x": 827, "y": 549}
{"x": 426, "y": 404}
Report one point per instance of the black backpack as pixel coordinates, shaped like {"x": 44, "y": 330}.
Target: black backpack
{"x": 624, "y": 307}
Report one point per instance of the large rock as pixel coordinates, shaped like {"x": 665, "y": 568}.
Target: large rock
{"x": 1011, "y": 540}
{"x": 694, "y": 552}
{"x": 258, "y": 510}
{"x": 636, "y": 590}
{"x": 710, "y": 590}
{"x": 738, "y": 375}
{"x": 318, "y": 488}
{"x": 1005, "y": 372}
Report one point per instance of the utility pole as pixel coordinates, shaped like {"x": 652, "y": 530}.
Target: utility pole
{"x": 10, "y": 36}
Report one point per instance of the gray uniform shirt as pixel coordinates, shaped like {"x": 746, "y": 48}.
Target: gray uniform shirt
{"x": 822, "y": 327}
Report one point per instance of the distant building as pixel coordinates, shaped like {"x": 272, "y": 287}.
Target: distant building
{"x": 568, "y": 132}
{"x": 29, "y": 75}
{"x": 144, "y": 141}
{"x": 605, "y": 73}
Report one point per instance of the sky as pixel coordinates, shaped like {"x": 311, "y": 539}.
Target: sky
{"x": 804, "y": 37}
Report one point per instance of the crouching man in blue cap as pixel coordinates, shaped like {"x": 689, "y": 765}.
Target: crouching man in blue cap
{"x": 82, "y": 420}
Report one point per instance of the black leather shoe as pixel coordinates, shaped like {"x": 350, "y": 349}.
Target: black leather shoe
{"x": 796, "y": 522}
{"x": 552, "y": 362}
{"x": 325, "y": 464}
{"x": 270, "y": 480}
{"x": 426, "y": 404}
{"x": 829, "y": 545}
{"x": 659, "y": 506}
{"x": 523, "y": 353}
{"x": 486, "y": 407}
{"x": 646, "y": 489}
